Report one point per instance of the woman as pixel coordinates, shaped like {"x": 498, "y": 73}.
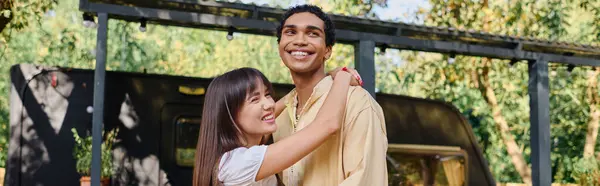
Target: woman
{"x": 239, "y": 111}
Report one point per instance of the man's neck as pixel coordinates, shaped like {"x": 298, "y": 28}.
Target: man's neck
{"x": 305, "y": 83}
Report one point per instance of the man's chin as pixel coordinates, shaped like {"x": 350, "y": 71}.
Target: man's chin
{"x": 300, "y": 67}
{"x": 301, "y": 70}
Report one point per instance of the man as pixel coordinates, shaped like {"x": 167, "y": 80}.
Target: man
{"x": 356, "y": 155}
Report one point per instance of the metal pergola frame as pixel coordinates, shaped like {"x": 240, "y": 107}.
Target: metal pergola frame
{"x": 365, "y": 34}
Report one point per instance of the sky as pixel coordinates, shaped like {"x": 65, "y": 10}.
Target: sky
{"x": 400, "y": 10}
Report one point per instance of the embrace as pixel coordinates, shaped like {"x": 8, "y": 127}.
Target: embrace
{"x": 327, "y": 131}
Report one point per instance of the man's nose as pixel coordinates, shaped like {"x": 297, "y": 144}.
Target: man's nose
{"x": 300, "y": 40}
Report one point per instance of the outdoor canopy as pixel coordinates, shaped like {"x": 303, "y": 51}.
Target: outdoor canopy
{"x": 365, "y": 34}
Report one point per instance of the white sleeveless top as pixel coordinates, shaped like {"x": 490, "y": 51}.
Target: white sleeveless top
{"x": 239, "y": 167}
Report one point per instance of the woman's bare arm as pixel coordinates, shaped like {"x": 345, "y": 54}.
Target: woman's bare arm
{"x": 286, "y": 152}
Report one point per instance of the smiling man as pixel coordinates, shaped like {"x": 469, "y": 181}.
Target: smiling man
{"x": 356, "y": 155}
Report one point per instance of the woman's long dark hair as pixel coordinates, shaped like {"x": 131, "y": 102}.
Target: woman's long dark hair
{"x": 218, "y": 132}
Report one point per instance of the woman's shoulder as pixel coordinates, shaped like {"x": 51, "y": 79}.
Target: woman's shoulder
{"x": 243, "y": 154}
{"x": 240, "y": 165}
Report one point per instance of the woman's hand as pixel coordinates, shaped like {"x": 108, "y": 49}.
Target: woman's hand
{"x": 356, "y": 81}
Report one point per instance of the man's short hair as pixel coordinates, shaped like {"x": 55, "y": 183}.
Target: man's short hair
{"x": 329, "y": 27}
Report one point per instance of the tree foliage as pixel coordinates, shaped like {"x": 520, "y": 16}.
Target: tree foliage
{"x": 500, "y": 112}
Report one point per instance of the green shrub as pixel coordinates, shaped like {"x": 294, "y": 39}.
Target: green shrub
{"x": 586, "y": 171}
{"x": 83, "y": 153}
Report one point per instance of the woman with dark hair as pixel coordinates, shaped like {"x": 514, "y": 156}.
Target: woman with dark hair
{"x": 239, "y": 112}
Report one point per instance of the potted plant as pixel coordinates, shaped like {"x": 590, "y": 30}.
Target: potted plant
{"x": 83, "y": 154}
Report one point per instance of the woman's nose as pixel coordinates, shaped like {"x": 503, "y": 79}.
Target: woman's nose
{"x": 268, "y": 104}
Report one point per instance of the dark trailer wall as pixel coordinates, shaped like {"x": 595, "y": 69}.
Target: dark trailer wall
{"x": 157, "y": 115}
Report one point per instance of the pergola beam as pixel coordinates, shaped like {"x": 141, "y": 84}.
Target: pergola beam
{"x": 406, "y": 43}
{"x": 262, "y": 27}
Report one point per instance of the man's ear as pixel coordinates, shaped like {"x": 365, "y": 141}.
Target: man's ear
{"x": 328, "y": 52}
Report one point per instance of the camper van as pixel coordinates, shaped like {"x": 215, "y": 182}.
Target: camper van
{"x": 158, "y": 117}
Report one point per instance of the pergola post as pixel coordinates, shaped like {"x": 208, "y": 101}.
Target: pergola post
{"x": 98, "y": 114}
{"x": 364, "y": 60}
{"x": 539, "y": 103}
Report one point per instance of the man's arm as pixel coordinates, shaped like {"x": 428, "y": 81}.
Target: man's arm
{"x": 365, "y": 148}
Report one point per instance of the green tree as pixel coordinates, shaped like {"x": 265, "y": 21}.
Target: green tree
{"x": 14, "y": 17}
{"x": 496, "y": 93}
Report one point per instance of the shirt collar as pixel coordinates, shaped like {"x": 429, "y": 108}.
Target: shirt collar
{"x": 319, "y": 90}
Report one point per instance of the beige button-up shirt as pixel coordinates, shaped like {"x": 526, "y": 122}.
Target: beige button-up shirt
{"x": 354, "y": 156}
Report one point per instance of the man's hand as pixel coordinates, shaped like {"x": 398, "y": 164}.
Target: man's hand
{"x": 356, "y": 81}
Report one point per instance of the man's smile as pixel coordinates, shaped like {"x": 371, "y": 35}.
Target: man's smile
{"x": 300, "y": 54}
